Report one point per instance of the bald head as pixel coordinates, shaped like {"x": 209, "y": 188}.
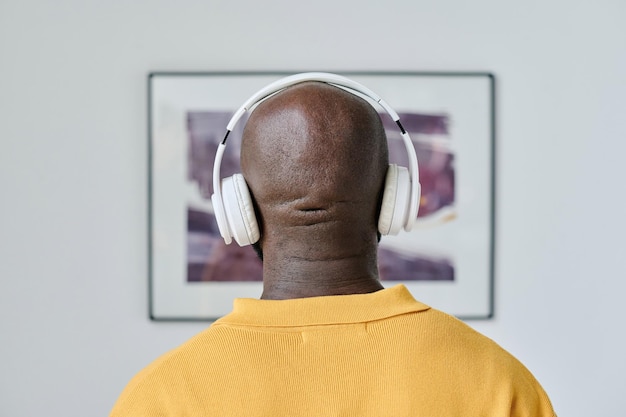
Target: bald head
{"x": 315, "y": 157}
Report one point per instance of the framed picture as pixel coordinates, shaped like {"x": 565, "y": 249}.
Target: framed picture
{"x": 446, "y": 261}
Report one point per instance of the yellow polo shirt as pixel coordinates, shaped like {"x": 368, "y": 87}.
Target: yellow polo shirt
{"x": 377, "y": 354}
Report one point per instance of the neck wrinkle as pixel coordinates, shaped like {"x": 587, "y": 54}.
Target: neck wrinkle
{"x": 289, "y": 277}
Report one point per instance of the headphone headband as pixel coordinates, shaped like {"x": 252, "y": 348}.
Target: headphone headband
{"x": 333, "y": 79}
{"x": 325, "y": 77}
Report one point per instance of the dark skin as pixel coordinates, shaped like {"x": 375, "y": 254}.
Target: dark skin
{"x": 315, "y": 157}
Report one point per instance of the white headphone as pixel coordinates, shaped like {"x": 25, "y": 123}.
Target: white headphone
{"x": 231, "y": 199}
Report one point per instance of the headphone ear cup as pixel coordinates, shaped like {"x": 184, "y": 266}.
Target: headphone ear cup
{"x": 394, "y": 208}
{"x": 239, "y": 210}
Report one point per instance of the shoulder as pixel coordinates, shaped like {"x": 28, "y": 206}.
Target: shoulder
{"x": 466, "y": 347}
{"x": 499, "y": 375}
{"x": 164, "y": 384}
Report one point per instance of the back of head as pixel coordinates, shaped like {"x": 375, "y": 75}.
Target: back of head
{"x": 315, "y": 157}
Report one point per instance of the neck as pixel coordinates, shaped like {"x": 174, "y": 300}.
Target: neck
{"x": 286, "y": 277}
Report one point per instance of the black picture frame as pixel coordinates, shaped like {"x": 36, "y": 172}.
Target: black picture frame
{"x": 466, "y": 101}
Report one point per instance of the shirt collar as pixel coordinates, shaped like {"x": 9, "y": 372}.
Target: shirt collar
{"x": 334, "y": 309}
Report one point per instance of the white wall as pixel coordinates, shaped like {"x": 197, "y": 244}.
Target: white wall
{"x": 73, "y": 274}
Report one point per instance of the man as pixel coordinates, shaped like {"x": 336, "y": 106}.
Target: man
{"x": 326, "y": 339}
